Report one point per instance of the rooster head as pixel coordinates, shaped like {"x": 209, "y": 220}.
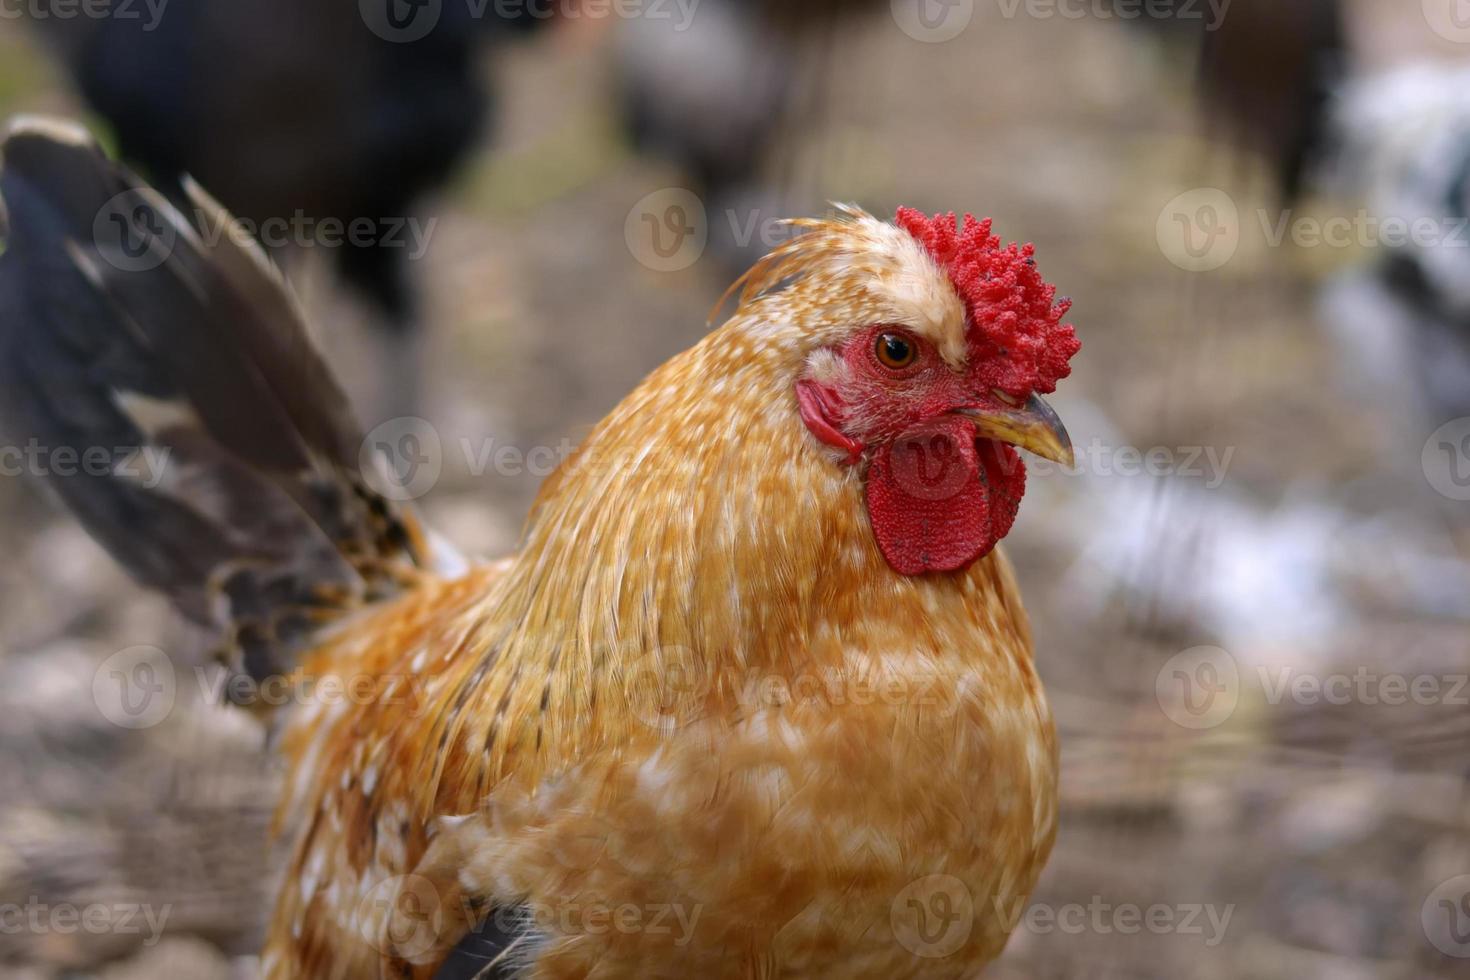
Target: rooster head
{"x": 925, "y": 347}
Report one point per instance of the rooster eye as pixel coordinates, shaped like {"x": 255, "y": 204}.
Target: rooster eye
{"x": 895, "y": 351}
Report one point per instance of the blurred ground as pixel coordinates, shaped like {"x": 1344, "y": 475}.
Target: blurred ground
{"x": 1321, "y": 830}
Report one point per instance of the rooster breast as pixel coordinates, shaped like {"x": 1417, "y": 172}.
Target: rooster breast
{"x": 881, "y": 810}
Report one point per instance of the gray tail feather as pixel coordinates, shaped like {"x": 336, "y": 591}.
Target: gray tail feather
{"x": 162, "y": 370}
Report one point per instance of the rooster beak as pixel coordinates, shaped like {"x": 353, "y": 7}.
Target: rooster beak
{"x": 1033, "y": 427}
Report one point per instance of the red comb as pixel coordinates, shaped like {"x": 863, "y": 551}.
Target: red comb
{"x": 1014, "y": 317}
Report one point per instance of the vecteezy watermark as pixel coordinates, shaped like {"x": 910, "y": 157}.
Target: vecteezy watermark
{"x": 1363, "y": 229}
{"x": 669, "y": 229}
{"x": 406, "y": 915}
{"x": 1199, "y": 231}
{"x": 1446, "y": 459}
{"x": 133, "y": 234}
{"x": 218, "y": 685}
{"x": 933, "y": 21}
{"x": 142, "y": 465}
{"x": 669, "y": 686}
{"x": 902, "y": 681}
{"x": 929, "y": 466}
{"x": 1201, "y": 687}
{"x": 406, "y": 21}
{"x": 1445, "y": 916}
{"x": 1209, "y": 13}
{"x": 933, "y": 917}
{"x": 1198, "y": 688}
{"x": 1202, "y": 230}
{"x": 1104, "y": 918}
{"x": 1450, "y": 19}
{"x": 138, "y": 687}
{"x": 40, "y": 918}
{"x": 1207, "y": 464}
{"x": 1363, "y": 686}
{"x": 135, "y": 688}
{"x": 402, "y": 458}
{"x": 665, "y": 687}
{"x": 150, "y": 12}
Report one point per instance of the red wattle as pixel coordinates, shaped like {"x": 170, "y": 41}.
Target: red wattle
{"x": 929, "y": 505}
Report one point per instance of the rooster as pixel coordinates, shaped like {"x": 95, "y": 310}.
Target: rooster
{"x": 755, "y": 698}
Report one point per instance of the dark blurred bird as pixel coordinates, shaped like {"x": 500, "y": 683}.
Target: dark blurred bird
{"x": 1267, "y": 75}
{"x": 302, "y": 116}
{"x": 1266, "y": 71}
{"x": 715, "y": 94}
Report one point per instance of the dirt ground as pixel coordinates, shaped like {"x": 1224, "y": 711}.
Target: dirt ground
{"x": 1299, "y": 838}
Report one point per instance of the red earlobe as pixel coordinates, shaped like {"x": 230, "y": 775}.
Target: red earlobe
{"x": 818, "y": 405}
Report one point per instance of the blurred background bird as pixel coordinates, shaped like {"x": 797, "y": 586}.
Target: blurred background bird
{"x": 289, "y": 108}
{"x": 718, "y": 96}
{"x": 1403, "y": 314}
{"x": 1264, "y": 76}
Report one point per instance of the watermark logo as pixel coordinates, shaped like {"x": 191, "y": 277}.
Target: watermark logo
{"x": 135, "y": 231}
{"x": 1199, "y": 231}
{"x": 1450, "y": 19}
{"x": 933, "y": 21}
{"x": 138, "y": 688}
{"x": 146, "y": 466}
{"x": 1208, "y": 465}
{"x": 1202, "y": 230}
{"x": 40, "y": 918}
{"x": 1445, "y": 917}
{"x": 1364, "y": 229}
{"x": 132, "y": 234}
{"x": 1104, "y": 918}
{"x": 929, "y": 465}
{"x": 402, "y": 916}
{"x": 1446, "y": 459}
{"x": 1198, "y": 688}
{"x": 667, "y": 230}
{"x": 1201, "y": 687}
{"x": 135, "y": 688}
{"x": 402, "y": 459}
{"x": 401, "y": 21}
{"x": 150, "y": 12}
{"x": 1206, "y": 14}
{"x": 1365, "y": 687}
{"x": 220, "y": 685}
{"x": 666, "y": 688}
{"x": 933, "y": 917}
{"x": 681, "y": 12}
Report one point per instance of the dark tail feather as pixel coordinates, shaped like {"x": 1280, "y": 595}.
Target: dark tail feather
{"x": 162, "y": 372}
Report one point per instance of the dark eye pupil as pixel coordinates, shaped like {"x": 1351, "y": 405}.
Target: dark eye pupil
{"x": 894, "y": 350}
